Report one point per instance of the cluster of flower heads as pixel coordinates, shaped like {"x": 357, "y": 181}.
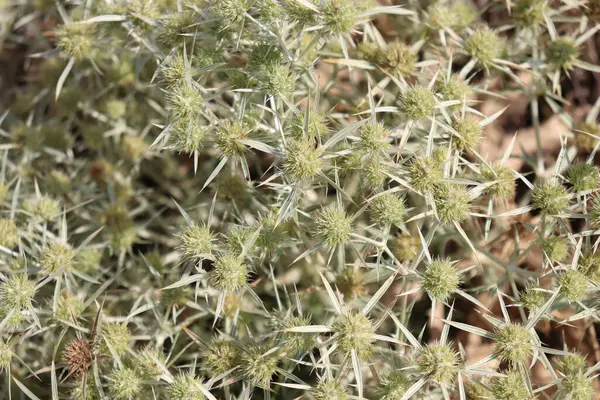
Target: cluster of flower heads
{"x": 238, "y": 199}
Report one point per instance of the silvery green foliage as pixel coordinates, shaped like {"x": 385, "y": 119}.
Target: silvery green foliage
{"x": 238, "y": 199}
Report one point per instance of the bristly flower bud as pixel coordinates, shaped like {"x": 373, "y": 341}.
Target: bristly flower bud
{"x": 562, "y": 53}
{"x": 172, "y": 27}
{"x": 483, "y": 45}
{"x": 456, "y": 16}
{"x": 186, "y": 387}
{"x": 125, "y": 384}
{"x": 550, "y": 198}
{"x": 589, "y": 265}
{"x": 295, "y": 342}
{"x": 355, "y": 332}
{"x": 219, "y": 357}
{"x": 231, "y": 12}
{"x": 405, "y": 247}
{"x": 373, "y": 138}
{"x": 388, "y": 209}
{"x": 425, "y": 173}
{"x": 6, "y": 355}
{"x": 196, "y": 242}
{"x": 188, "y": 137}
{"x": 571, "y": 364}
{"x": 229, "y": 273}
{"x": 573, "y": 285}
{"x": 556, "y": 248}
{"x": 333, "y": 226}
{"x": 228, "y": 137}
{"x": 57, "y": 257}
{"x": 439, "y": 362}
{"x": 397, "y": 59}
{"x": 452, "y": 202}
{"x": 115, "y": 338}
{"x": 329, "y": 390}
{"x": 440, "y": 279}
{"x": 503, "y": 178}
{"x": 78, "y": 356}
{"x": 76, "y": 40}
{"x": 511, "y": 387}
{"x": 317, "y": 126}
{"x": 185, "y": 101}
{"x": 42, "y": 208}
{"x": 339, "y": 16}
{"x": 533, "y": 297}
{"x": 16, "y": 293}
{"x": 418, "y": 102}
{"x": 514, "y": 343}
{"x": 277, "y": 80}
{"x": 393, "y": 386}
{"x": 454, "y": 89}
{"x": 583, "y": 136}
{"x": 528, "y": 13}
{"x": 577, "y": 386}
{"x": 351, "y": 283}
{"x": 583, "y": 177}
{"x": 257, "y": 367}
{"x": 302, "y": 160}
{"x": 9, "y": 233}
{"x": 469, "y": 133}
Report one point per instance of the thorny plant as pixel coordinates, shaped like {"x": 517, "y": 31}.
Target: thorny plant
{"x": 283, "y": 199}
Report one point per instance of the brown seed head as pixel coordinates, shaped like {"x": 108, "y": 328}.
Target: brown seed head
{"x": 78, "y": 356}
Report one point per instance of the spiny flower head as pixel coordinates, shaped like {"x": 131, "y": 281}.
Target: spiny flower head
{"x": 388, "y": 209}
{"x": 333, "y": 226}
{"x": 425, "y": 173}
{"x": 550, "y": 198}
{"x": 264, "y": 54}
{"x": 514, "y": 343}
{"x": 328, "y": 390}
{"x": 372, "y": 174}
{"x": 230, "y": 11}
{"x": 455, "y": 15}
{"x": 440, "y": 279}
{"x": 277, "y": 80}
{"x": 571, "y": 364}
{"x": 302, "y": 160}
{"x": 172, "y": 27}
{"x": 69, "y": 308}
{"x": 42, "y": 208}
{"x": 115, "y": 338}
{"x": 257, "y": 367}
{"x": 583, "y": 136}
{"x": 469, "y": 133}
{"x": 573, "y": 285}
{"x": 511, "y": 387}
{"x": 125, "y": 384}
{"x": 556, "y": 248}
{"x": 562, "y": 53}
{"x": 299, "y": 13}
{"x": 483, "y": 45}
{"x": 528, "y": 13}
{"x": 229, "y": 273}
{"x": 418, "y": 102}
{"x": 78, "y": 355}
{"x": 454, "y": 89}
{"x": 373, "y": 137}
{"x": 438, "y": 362}
{"x": 185, "y": 101}
{"x": 151, "y": 363}
{"x": 503, "y": 178}
{"x": 220, "y": 356}
{"x": 589, "y": 265}
{"x": 6, "y": 355}
{"x": 295, "y": 342}
{"x": 317, "y": 125}
{"x": 355, "y": 332}
{"x": 405, "y": 246}
{"x": 533, "y": 298}
{"x": 393, "y": 386}
{"x": 577, "y": 386}
{"x": 397, "y": 58}
{"x": 228, "y": 137}
{"x": 9, "y": 233}
{"x": 189, "y": 136}
{"x": 75, "y": 40}
{"x": 186, "y": 387}
{"x": 57, "y": 257}
{"x": 583, "y": 177}
{"x": 351, "y": 283}
{"x": 196, "y": 241}
{"x": 452, "y": 202}
{"x": 16, "y": 293}
{"x": 339, "y": 16}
